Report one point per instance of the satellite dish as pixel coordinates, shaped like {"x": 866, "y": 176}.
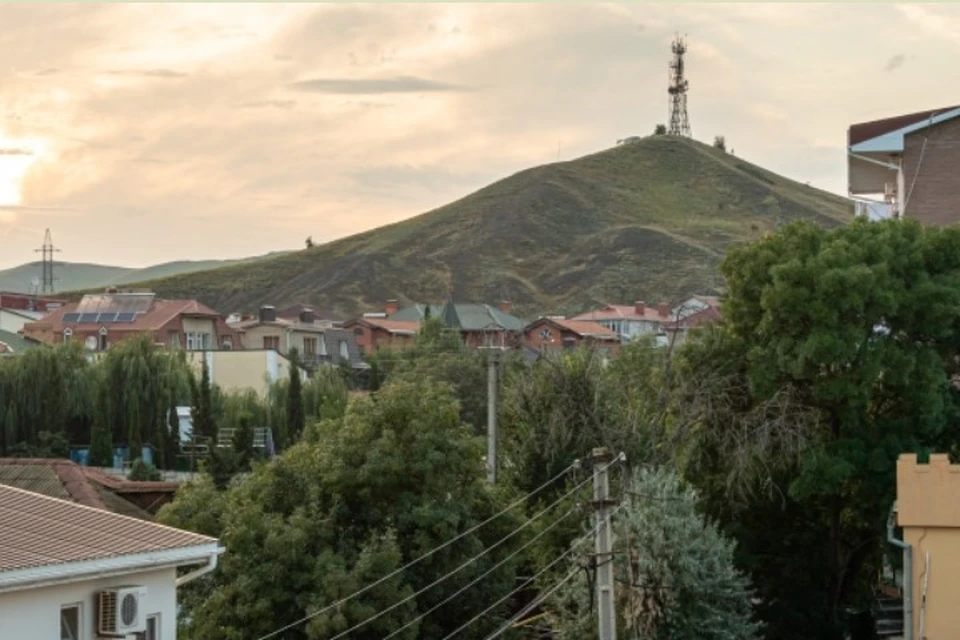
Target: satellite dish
{"x": 91, "y": 343}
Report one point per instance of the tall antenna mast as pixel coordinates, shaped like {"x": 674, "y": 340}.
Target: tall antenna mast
{"x": 679, "y": 120}
{"x": 47, "y": 250}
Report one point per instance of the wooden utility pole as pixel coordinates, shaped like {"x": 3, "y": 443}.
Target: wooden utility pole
{"x": 606, "y": 608}
{"x": 492, "y": 378}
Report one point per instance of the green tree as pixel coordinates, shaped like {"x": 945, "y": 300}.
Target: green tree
{"x": 101, "y": 447}
{"x": 836, "y": 353}
{"x": 358, "y": 497}
{"x": 296, "y": 420}
{"x": 202, "y": 415}
{"x": 676, "y": 579}
{"x": 660, "y": 130}
{"x": 141, "y": 470}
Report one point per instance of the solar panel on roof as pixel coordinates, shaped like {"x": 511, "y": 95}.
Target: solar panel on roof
{"x": 108, "y": 317}
{"x": 126, "y": 316}
{"x": 71, "y": 317}
{"x": 87, "y": 317}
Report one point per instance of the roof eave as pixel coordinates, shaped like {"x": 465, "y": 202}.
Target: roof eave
{"x": 64, "y": 573}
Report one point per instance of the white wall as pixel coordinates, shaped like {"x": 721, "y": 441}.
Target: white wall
{"x": 35, "y": 613}
{"x": 12, "y": 322}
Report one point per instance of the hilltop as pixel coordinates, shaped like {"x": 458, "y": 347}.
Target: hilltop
{"x": 645, "y": 220}
{"x": 72, "y": 276}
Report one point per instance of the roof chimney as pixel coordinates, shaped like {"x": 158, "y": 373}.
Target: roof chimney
{"x": 505, "y": 306}
{"x": 664, "y": 309}
{"x": 307, "y": 316}
{"x": 639, "y": 307}
{"x": 112, "y": 289}
{"x": 392, "y": 307}
{"x": 268, "y": 313}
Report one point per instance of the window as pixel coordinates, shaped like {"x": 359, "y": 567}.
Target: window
{"x": 309, "y": 346}
{"x": 67, "y": 333}
{"x": 70, "y": 622}
{"x": 174, "y": 340}
{"x": 153, "y": 628}
{"x": 206, "y": 341}
{"x": 197, "y": 340}
{"x": 271, "y": 342}
{"x": 344, "y": 351}
{"x": 103, "y": 339}
{"x": 227, "y": 343}
{"x": 323, "y": 346}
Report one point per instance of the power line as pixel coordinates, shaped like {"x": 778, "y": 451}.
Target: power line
{"x": 426, "y": 555}
{"x": 449, "y": 574}
{"x": 546, "y": 530}
{"x": 532, "y": 578}
{"x": 533, "y": 605}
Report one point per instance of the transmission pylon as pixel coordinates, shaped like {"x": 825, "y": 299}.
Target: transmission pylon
{"x": 677, "y": 89}
{"x": 47, "y": 251}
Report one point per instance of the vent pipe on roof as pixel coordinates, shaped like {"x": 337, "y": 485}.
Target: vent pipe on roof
{"x": 307, "y": 316}
{"x": 639, "y": 307}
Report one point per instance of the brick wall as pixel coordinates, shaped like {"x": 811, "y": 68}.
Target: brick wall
{"x": 935, "y": 196}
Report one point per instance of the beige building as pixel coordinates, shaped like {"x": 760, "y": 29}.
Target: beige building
{"x": 316, "y": 341}
{"x": 252, "y": 369}
{"x": 928, "y": 510}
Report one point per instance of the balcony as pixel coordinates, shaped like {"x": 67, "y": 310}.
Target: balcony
{"x": 873, "y": 210}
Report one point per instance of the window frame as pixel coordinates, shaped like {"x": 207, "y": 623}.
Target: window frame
{"x": 78, "y": 606}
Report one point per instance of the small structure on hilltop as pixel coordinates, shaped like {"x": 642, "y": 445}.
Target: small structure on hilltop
{"x": 679, "y": 120}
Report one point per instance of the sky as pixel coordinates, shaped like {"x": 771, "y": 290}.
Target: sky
{"x": 148, "y": 133}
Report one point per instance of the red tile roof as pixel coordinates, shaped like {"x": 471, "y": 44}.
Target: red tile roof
{"x": 863, "y": 131}
{"x": 37, "y": 530}
{"x": 161, "y": 312}
{"x": 392, "y": 326}
{"x": 583, "y": 328}
{"x": 651, "y": 313}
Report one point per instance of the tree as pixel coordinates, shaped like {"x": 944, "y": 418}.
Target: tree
{"x": 141, "y": 470}
{"x": 719, "y": 142}
{"x": 202, "y": 411}
{"x": 309, "y": 242}
{"x": 676, "y": 579}
{"x": 660, "y": 130}
{"x": 836, "y": 354}
{"x": 296, "y": 421}
{"x": 101, "y": 447}
{"x": 357, "y": 498}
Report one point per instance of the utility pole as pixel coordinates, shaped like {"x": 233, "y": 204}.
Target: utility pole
{"x": 606, "y": 607}
{"x": 492, "y": 361}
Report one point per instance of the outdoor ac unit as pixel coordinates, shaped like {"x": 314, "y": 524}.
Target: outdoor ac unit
{"x": 119, "y": 611}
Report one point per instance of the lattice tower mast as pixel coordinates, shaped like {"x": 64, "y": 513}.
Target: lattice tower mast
{"x": 677, "y": 89}
{"x": 47, "y": 251}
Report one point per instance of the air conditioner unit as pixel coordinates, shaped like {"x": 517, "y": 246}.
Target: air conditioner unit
{"x": 119, "y": 611}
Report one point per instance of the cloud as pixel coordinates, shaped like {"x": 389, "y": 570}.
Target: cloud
{"x": 394, "y": 84}
{"x": 895, "y": 62}
{"x": 276, "y": 104}
{"x": 15, "y": 152}
{"x": 148, "y": 73}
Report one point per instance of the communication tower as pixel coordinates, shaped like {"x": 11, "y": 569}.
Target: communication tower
{"x": 677, "y": 89}
{"x": 47, "y": 250}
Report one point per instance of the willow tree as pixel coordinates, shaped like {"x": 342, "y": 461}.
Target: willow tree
{"x": 140, "y": 384}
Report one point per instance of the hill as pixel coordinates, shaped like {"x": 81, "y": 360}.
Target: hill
{"x": 645, "y": 220}
{"x": 72, "y": 276}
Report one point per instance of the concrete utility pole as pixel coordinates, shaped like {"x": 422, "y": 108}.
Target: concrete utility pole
{"x": 606, "y": 607}
{"x": 492, "y": 361}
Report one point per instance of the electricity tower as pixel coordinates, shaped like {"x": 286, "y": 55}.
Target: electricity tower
{"x": 679, "y": 121}
{"x": 47, "y": 250}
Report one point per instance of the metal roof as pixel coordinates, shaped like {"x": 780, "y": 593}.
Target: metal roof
{"x": 891, "y": 141}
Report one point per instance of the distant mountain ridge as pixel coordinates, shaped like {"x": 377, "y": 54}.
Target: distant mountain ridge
{"x": 647, "y": 220}
{"x": 72, "y": 276}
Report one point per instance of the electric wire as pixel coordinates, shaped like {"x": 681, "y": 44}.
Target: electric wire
{"x": 426, "y": 555}
{"x": 531, "y": 579}
{"x": 466, "y": 564}
{"x": 533, "y": 605}
{"x": 546, "y": 530}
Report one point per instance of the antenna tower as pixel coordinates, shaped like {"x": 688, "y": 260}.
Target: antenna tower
{"x": 679, "y": 120}
{"x": 47, "y": 250}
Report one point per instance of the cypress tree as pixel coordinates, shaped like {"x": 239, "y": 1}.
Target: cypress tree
{"x": 101, "y": 446}
{"x": 296, "y": 421}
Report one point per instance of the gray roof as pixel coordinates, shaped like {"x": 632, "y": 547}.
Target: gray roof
{"x": 16, "y": 343}
{"x": 334, "y": 337}
{"x": 463, "y": 316}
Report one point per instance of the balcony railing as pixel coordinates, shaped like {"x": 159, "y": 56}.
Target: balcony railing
{"x": 873, "y": 210}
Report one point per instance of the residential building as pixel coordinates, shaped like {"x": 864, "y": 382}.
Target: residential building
{"x": 928, "y": 510}
{"x": 28, "y": 302}
{"x": 320, "y": 316}
{"x": 12, "y": 344}
{"x": 100, "y": 320}
{"x": 555, "y": 333}
{"x": 905, "y": 166}
{"x": 245, "y": 369}
{"x": 632, "y": 322}
{"x": 67, "y": 480}
{"x": 374, "y": 334}
{"x": 12, "y": 320}
{"x": 86, "y": 573}
{"x": 479, "y": 325}
{"x": 317, "y": 342}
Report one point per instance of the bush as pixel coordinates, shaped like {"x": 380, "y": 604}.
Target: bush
{"x": 141, "y": 470}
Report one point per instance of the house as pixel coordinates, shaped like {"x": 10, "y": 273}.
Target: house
{"x": 905, "y": 165}
{"x": 926, "y": 510}
{"x": 479, "y": 325}
{"x": 67, "y": 480}
{"x": 555, "y": 333}
{"x": 100, "y": 320}
{"x": 691, "y": 313}
{"x": 321, "y": 317}
{"x": 316, "y": 341}
{"x": 246, "y": 369}
{"x": 632, "y": 322}
{"x": 28, "y": 302}
{"x": 12, "y": 320}
{"x": 68, "y": 570}
{"x": 373, "y": 334}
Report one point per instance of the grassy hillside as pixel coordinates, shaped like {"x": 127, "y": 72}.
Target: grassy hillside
{"x": 73, "y": 276}
{"x": 649, "y": 220}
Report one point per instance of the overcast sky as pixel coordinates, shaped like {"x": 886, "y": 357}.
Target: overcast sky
{"x": 147, "y": 133}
